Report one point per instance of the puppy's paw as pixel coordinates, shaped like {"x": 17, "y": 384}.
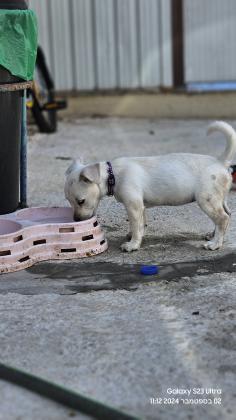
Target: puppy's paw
{"x": 212, "y": 245}
{"x": 130, "y": 246}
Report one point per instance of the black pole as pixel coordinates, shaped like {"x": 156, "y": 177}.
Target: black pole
{"x": 177, "y": 43}
{"x": 10, "y": 129}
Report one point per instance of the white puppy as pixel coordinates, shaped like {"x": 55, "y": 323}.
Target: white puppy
{"x": 167, "y": 180}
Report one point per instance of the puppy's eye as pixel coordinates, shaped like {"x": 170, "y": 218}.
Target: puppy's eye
{"x": 80, "y": 202}
{"x": 84, "y": 179}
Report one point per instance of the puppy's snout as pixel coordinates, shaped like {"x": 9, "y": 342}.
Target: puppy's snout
{"x": 76, "y": 218}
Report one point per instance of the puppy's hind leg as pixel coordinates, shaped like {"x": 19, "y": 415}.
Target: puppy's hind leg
{"x": 219, "y": 216}
{"x": 210, "y": 235}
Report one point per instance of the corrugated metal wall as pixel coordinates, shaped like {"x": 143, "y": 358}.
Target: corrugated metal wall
{"x": 106, "y": 44}
{"x": 210, "y": 34}
{"x": 126, "y": 44}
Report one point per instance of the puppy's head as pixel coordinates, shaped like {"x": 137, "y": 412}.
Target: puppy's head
{"x": 82, "y": 190}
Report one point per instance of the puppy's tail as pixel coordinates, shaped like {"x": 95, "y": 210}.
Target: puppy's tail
{"x": 230, "y": 134}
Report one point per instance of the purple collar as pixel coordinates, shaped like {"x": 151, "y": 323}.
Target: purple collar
{"x": 111, "y": 181}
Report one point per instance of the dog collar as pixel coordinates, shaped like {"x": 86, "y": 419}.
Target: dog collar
{"x": 111, "y": 181}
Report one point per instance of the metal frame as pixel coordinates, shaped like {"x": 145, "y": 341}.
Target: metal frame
{"x": 23, "y": 154}
{"x": 177, "y": 43}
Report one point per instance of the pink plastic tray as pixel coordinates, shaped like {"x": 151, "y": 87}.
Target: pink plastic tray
{"x": 41, "y": 233}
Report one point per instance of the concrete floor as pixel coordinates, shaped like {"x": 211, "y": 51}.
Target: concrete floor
{"x": 96, "y": 325}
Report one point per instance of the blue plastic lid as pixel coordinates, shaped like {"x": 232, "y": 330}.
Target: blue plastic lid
{"x": 149, "y": 270}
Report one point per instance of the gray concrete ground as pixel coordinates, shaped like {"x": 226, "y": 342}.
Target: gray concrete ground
{"x": 96, "y": 325}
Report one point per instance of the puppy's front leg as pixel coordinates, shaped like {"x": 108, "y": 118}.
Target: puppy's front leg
{"x": 129, "y": 234}
{"x": 135, "y": 210}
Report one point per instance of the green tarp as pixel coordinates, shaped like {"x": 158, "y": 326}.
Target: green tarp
{"x": 18, "y": 42}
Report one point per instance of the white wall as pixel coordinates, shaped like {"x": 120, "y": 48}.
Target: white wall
{"x": 210, "y": 35}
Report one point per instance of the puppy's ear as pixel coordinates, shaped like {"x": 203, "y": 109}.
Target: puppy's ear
{"x": 91, "y": 173}
{"x": 79, "y": 160}
{"x": 76, "y": 164}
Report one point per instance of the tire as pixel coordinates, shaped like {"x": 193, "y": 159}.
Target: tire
{"x": 46, "y": 119}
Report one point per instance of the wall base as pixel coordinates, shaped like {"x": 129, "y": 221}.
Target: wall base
{"x": 153, "y": 105}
